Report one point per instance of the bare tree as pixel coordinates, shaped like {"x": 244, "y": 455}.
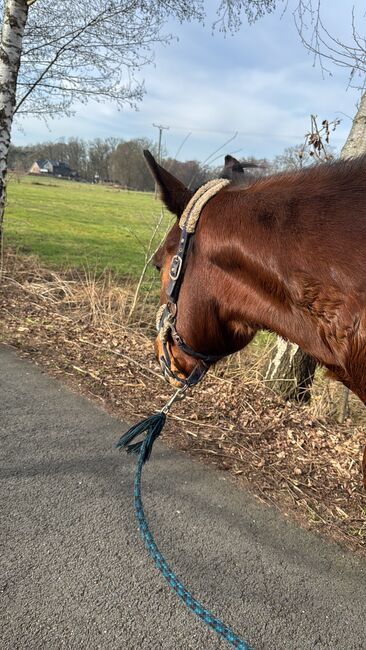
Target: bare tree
{"x": 73, "y": 51}
{"x": 14, "y": 21}
{"x": 316, "y": 148}
{"x": 128, "y": 166}
{"x": 292, "y": 158}
{"x": 330, "y": 50}
{"x": 100, "y": 152}
{"x": 53, "y": 54}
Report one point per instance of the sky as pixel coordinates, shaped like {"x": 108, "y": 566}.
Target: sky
{"x": 260, "y": 83}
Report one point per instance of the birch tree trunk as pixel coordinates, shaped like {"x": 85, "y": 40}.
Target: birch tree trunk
{"x": 14, "y": 21}
{"x": 291, "y": 371}
{"x": 356, "y": 142}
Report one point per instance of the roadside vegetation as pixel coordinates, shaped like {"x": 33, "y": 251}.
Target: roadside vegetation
{"x": 68, "y": 300}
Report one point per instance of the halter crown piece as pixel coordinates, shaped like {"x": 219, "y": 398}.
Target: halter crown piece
{"x": 154, "y": 424}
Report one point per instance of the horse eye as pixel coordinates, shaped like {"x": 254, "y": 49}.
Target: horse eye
{"x": 157, "y": 261}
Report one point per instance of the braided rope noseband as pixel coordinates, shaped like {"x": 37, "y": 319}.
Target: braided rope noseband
{"x": 192, "y": 212}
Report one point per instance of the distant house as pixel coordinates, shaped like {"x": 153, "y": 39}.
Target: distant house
{"x": 53, "y": 168}
{"x": 41, "y": 167}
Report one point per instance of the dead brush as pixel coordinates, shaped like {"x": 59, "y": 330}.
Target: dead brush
{"x": 75, "y": 323}
{"x": 98, "y": 298}
{"x": 326, "y": 395}
{"x": 103, "y": 301}
{"x": 47, "y": 285}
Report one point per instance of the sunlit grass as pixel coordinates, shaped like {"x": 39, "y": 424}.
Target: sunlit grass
{"x": 73, "y": 225}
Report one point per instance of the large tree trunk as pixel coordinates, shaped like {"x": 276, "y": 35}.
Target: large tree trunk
{"x": 14, "y": 21}
{"x": 356, "y": 142}
{"x": 290, "y": 370}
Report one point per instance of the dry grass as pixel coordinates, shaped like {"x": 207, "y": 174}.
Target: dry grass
{"x": 297, "y": 458}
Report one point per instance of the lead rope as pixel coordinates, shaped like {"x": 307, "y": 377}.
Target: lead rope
{"x": 154, "y": 425}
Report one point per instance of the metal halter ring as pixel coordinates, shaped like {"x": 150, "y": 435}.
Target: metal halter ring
{"x": 175, "y": 267}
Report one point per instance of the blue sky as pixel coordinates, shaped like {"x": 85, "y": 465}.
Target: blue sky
{"x": 261, "y": 82}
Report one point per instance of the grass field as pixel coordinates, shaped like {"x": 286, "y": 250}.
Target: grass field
{"x": 74, "y": 225}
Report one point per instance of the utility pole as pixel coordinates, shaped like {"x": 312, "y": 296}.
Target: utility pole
{"x": 161, "y": 129}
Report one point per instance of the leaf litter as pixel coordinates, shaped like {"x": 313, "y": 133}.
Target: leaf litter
{"x": 307, "y": 466}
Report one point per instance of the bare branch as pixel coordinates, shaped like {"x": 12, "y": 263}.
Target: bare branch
{"x": 329, "y": 50}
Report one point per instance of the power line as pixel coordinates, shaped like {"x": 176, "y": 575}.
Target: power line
{"x": 253, "y": 134}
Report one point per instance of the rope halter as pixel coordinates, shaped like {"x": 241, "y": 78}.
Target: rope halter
{"x": 167, "y": 314}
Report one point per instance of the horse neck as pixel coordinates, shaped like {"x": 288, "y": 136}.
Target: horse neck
{"x": 255, "y": 275}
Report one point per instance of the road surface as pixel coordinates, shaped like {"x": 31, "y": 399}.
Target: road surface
{"x": 74, "y": 573}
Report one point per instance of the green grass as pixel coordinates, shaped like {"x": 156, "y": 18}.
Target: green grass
{"x": 73, "y": 225}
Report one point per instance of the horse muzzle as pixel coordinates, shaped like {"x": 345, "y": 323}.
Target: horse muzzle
{"x": 197, "y": 363}
{"x": 172, "y": 370}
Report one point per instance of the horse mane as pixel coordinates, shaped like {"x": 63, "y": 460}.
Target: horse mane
{"x": 348, "y": 172}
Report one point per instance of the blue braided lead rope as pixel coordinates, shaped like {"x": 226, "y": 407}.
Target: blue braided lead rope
{"x": 194, "y": 605}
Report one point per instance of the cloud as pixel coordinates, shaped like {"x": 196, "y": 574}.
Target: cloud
{"x": 260, "y": 83}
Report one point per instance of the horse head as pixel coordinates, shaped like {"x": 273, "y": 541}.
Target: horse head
{"x": 280, "y": 254}
{"x": 206, "y": 326}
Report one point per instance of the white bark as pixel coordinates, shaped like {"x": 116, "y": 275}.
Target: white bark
{"x": 14, "y": 21}
{"x": 290, "y": 371}
{"x": 355, "y": 144}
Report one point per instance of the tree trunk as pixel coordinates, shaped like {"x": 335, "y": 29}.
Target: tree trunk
{"x": 290, "y": 370}
{"x": 356, "y": 142}
{"x": 14, "y": 21}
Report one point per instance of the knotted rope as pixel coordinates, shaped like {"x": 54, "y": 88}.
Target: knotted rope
{"x": 153, "y": 426}
{"x": 198, "y": 201}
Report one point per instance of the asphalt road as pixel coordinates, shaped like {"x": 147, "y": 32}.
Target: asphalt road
{"x": 74, "y": 573}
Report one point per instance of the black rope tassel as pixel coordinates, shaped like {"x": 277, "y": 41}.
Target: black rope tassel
{"x": 153, "y": 427}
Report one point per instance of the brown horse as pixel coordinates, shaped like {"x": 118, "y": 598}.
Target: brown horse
{"x": 287, "y": 254}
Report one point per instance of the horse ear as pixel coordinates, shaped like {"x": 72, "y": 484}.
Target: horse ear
{"x": 232, "y": 167}
{"x": 173, "y": 193}
{"x": 235, "y": 170}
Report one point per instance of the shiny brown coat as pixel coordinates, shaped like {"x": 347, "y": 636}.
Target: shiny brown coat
{"x": 285, "y": 254}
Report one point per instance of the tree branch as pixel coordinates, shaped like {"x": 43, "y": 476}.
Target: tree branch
{"x": 54, "y": 59}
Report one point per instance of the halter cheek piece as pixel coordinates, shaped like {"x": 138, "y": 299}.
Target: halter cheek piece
{"x": 167, "y": 314}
